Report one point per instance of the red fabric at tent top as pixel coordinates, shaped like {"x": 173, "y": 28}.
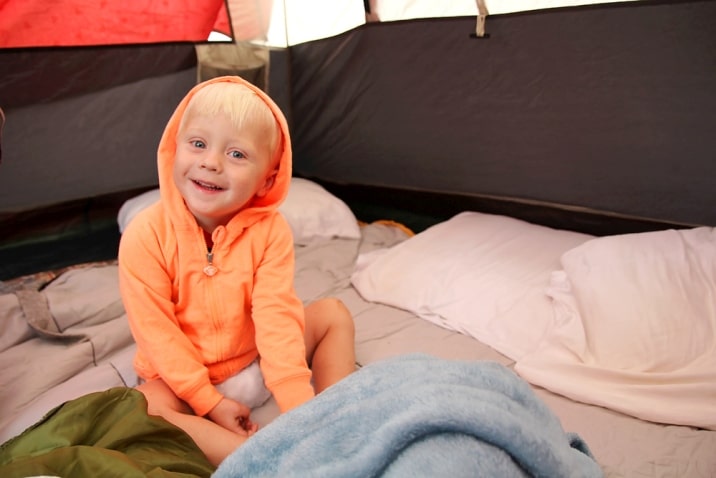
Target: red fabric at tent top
{"x": 34, "y": 23}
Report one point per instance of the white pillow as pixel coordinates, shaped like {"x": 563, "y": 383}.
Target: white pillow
{"x": 480, "y": 274}
{"x": 635, "y": 316}
{"x": 647, "y": 301}
{"x": 132, "y": 206}
{"x": 311, "y": 211}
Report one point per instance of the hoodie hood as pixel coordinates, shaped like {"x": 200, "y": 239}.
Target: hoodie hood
{"x": 258, "y": 208}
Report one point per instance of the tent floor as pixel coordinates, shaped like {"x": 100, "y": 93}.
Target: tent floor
{"x": 21, "y": 259}
{"x": 60, "y": 235}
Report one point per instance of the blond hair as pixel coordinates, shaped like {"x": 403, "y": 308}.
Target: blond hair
{"x": 239, "y": 103}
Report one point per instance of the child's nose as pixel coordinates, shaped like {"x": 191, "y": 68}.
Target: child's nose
{"x": 211, "y": 161}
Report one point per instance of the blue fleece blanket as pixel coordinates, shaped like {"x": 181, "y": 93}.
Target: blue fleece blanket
{"x": 413, "y": 416}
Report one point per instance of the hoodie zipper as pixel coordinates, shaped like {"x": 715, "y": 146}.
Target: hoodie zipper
{"x": 210, "y": 269}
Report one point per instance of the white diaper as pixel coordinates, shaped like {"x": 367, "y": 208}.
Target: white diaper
{"x": 246, "y": 387}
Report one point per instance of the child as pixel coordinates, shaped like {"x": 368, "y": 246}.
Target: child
{"x": 206, "y": 274}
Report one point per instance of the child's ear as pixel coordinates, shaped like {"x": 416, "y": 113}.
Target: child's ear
{"x": 270, "y": 179}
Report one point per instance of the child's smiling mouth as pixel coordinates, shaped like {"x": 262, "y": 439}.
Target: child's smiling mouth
{"x": 206, "y": 186}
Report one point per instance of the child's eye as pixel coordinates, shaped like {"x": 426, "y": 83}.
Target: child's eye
{"x": 237, "y": 155}
{"x": 197, "y": 143}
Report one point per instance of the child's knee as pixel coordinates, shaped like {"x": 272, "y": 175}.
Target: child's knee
{"x": 339, "y": 313}
{"x": 329, "y": 314}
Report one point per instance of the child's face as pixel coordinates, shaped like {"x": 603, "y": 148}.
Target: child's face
{"x": 218, "y": 168}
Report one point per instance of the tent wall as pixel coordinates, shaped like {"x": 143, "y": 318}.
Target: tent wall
{"x": 85, "y": 122}
{"x": 81, "y": 134}
{"x": 610, "y": 108}
{"x": 41, "y": 75}
{"x": 579, "y": 114}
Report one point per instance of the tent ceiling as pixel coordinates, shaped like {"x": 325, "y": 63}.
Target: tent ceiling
{"x": 392, "y": 10}
{"x": 274, "y": 23}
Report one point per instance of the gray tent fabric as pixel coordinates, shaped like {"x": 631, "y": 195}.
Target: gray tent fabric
{"x": 607, "y": 107}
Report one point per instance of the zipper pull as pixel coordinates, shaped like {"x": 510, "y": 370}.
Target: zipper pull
{"x": 210, "y": 269}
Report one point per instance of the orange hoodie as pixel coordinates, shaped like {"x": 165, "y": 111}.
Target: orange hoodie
{"x": 193, "y": 330}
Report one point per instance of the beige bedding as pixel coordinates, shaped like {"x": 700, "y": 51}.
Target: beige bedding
{"x": 87, "y": 347}
{"x": 624, "y": 446}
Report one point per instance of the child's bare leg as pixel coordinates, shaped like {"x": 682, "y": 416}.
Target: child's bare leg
{"x": 214, "y": 440}
{"x": 330, "y": 342}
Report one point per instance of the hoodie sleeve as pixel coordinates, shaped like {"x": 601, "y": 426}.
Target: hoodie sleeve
{"x": 146, "y": 290}
{"x": 278, "y": 318}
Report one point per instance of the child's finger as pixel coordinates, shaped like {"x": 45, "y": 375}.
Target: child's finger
{"x": 245, "y": 424}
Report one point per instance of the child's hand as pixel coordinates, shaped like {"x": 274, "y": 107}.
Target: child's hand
{"x": 233, "y": 416}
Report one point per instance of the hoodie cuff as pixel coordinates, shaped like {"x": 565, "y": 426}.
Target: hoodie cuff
{"x": 204, "y": 400}
{"x": 292, "y": 393}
